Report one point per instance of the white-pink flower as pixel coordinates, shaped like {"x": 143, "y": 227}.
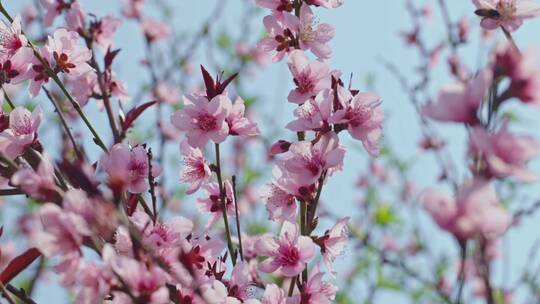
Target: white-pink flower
{"x": 362, "y": 116}
{"x": 39, "y": 184}
{"x": 505, "y": 154}
{"x": 289, "y": 253}
{"x": 22, "y": 131}
{"x": 161, "y": 235}
{"x": 314, "y": 114}
{"x": 103, "y": 30}
{"x": 196, "y": 170}
{"x": 273, "y": 295}
{"x": 307, "y": 161}
{"x": 281, "y": 35}
{"x": 148, "y": 282}
{"x": 239, "y": 124}
{"x": 53, "y": 8}
{"x": 11, "y": 38}
{"x": 14, "y": 69}
{"x": 475, "y": 210}
{"x": 310, "y": 77}
{"x": 211, "y": 202}
{"x": 316, "y": 291}
{"x": 127, "y": 168}
{"x": 69, "y": 55}
{"x": 509, "y": 14}
{"x": 313, "y": 36}
{"x": 155, "y": 30}
{"x": 203, "y": 120}
{"x": 281, "y": 206}
{"x": 333, "y": 243}
{"x": 459, "y": 102}
{"x": 61, "y": 233}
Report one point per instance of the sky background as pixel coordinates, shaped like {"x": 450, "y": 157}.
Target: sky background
{"x": 366, "y": 31}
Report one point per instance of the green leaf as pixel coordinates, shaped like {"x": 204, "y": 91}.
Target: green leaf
{"x": 384, "y": 215}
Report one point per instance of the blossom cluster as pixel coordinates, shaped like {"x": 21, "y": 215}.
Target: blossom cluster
{"x": 105, "y": 215}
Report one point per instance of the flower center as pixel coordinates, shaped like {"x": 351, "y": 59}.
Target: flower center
{"x": 306, "y": 33}
{"x": 7, "y": 73}
{"x": 506, "y": 9}
{"x": 206, "y": 122}
{"x": 304, "y": 83}
{"x": 314, "y": 165}
{"x": 289, "y": 255}
{"x": 62, "y": 62}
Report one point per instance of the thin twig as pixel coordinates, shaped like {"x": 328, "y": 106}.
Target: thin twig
{"x": 237, "y": 218}
{"x": 222, "y": 196}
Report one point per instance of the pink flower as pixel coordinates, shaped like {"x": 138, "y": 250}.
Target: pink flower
{"x": 363, "y": 118}
{"x": 76, "y": 18}
{"x": 474, "y": 211}
{"x": 459, "y": 102}
{"x": 14, "y": 69}
{"x": 313, "y": 36}
{"x": 132, "y": 8}
{"x": 307, "y": 161}
{"x": 212, "y": 203}
{"x": 11, "y": 38}
{"x": 22, "y": 131}
{"x": 53, "y": 8}
{"x": 281, "y": 206}
{"x": 289, "y": 253}
{"x": 280, "y": 146}
{"x": 203, "y": 120}
{"x": 240, "y": 281}
{"x": 315, "y": 114}
{"x": 237, "y": 121}
{"x": 103, "y": 30}
{"x": 196, "y": 171}
{"x": 281, "y": 35}
{"x": 333, "y": 243}
{"x": 505, "y": 154}
{"x": 82, "y": 87}
{"x": 127, "y": 168}
{"x": 316, "y": 291}
{"x": 118, "y": 88}
{"x": 39, "y": 184}
{"x": 69, "y": 56}
{"x": 97, "y": 212}
{"x": 217, "y": 293}
{"x": 309, "y": 77}
{"x": 61, "y": 233}
{"x": 509, "y": 14}
{"x": 273, "y": 295}
{"x": 522, "y": 69}
{"x": 291, "y": 185}
{"x": 144, "y": 281}
{"x": 155, "y": 30}
{"x": 157, "y": 236}
{"x": 94, "y": 281}
{"x": 38, "y": 74}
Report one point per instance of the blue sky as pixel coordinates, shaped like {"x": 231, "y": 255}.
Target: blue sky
{"x": 366, "y": 31}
